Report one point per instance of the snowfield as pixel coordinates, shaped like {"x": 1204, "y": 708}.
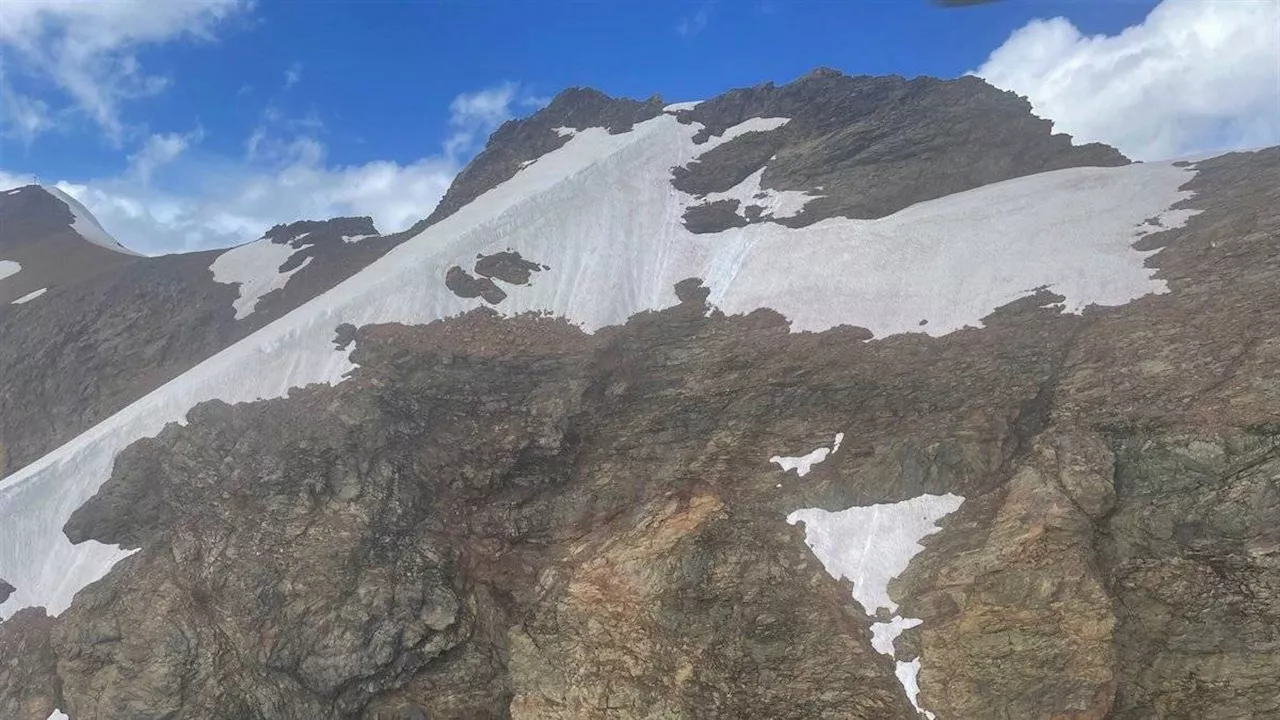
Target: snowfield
{"x": 8, "y": 268}
{"x": 870, "y": 546}
{"x": 601, "y": 211}
{"x": 254, "y": 266}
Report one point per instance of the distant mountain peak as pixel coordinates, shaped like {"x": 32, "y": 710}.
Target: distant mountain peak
{"x": 85, "y": 224}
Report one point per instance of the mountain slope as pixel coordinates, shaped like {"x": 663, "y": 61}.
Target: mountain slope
{"x": 525, "y": 518}
{"x": 90, "y": 330}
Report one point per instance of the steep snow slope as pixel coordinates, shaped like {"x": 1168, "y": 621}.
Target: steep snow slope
{"x": 84, "y": 223}
{"x": 602, "y": 213}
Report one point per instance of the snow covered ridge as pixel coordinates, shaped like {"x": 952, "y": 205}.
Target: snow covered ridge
{"x": 254, "y": 267}
{"x": 601, "y": 212}
{"x": 870, "y": 546}
{"x": 86, "y": 225}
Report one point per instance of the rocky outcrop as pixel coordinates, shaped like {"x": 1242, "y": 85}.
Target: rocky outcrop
{"x": 29, "y": 684}
{"x": 507, "y": 266}
{"x": 866, "y": 147}
{"x": 465, "y": 285}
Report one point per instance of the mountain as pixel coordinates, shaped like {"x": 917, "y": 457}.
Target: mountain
{"x": 851, "y": 397}
{"x": 48, "y": 239}
{"x": 89, "y": 327}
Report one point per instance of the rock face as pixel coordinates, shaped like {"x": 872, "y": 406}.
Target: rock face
{"x": 511, "y": 518}
{"x": 866, "y": 147}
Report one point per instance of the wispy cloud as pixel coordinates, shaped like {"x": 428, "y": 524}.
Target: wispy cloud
{"x": 293, "y": 75}
{"x": 160, "y": 150}
{"x": 22, "y": 116}
{"x": 89, "y": 51}
{"x": 472, "y": 116}
{"x": 691, "y": 25}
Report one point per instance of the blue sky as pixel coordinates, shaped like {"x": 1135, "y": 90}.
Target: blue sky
{"x": 155, "y": 116}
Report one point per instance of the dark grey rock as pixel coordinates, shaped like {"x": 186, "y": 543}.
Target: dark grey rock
{"x": 507, "y": 266}
{"x": 465, "y": 285}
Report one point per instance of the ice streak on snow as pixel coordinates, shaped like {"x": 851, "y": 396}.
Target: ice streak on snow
{"x": 870, "y": 546}
{"x": 255, "y": 267}
{"x": 9, "y": 267}
{"x": 802, "y": 464}
{"x": 29, "y": 297}
{"x": 601, "y": 211}
{"x": 86, "y": 225}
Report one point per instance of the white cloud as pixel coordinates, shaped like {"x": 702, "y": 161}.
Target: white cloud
{"x": 22, "y": 116}
{"x": 209, "y": 201}
{"x": 293, "y": 75}
{"x": 229, "y": 205}
{"x": 474, "y": 115}
{"x": 160, "y": 150}
{"x": 88, "y": 48}
{"x": 10, "y": 180}
{"x": 1194, "y": 76}
{"x": 695, "y": 23}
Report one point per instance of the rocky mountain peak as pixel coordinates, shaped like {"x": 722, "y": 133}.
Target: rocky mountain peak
{"x": 856, "y": 146}
{"x": 48, "y": 239}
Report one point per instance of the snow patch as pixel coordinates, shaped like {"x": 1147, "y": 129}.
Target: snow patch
{"x": 255, "y": 268}
{"x": 773, "y": 203}
{"x": 350, "y": 239}
{"x": 870, "y": 546}
{"x": 8, "y": 268}
{"x": 908, "y": 674}
{"x": 884, "y": 633}
{"x": 566, "y": 131}
{"x": 29, "y": 296}
{"x": 802, "y": 464}
{"x": 746, "y": 126}
{"x": 677, "y": 107}
{"x": 86, "y": 225}
{"x": 952, "y": 260}
{"x": 57, "y": 715}
{"x": 14, "y": 191}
